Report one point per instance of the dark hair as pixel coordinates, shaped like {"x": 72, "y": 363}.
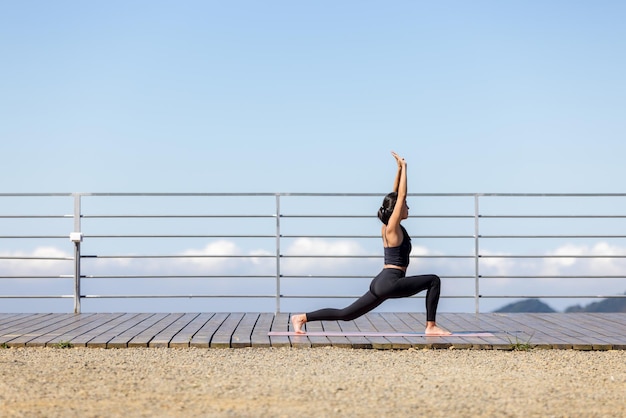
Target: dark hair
{"x": 386, "y": 209}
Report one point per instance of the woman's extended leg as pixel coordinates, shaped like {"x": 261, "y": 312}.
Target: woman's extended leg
{"x": 361, "y": 306}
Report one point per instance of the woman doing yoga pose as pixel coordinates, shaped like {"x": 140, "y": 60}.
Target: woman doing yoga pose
{"x": 392, "y": 281}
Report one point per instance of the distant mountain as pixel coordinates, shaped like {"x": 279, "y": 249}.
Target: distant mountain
{"x": 527, "y": 305}
{"x": 605, "y": 305}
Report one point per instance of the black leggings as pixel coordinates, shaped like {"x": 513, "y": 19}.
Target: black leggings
{"x": 389, "y": 284}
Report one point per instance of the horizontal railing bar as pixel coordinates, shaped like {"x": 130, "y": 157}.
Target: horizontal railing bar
{"x": 268, "y": 256}
{"x": 305, "y": 296}
{"x": 176, "y": 276}
{"x": 269, "y": 194}
{"x": 374, "y": 256}
{"x": 554, "y": 277}
{"x": 175, "y": 216}
{"x": 262, "y": 236}
{"x": 374, "y": 236}
{"x": 245, "y": 296}
{"x": 552, "y": 256}
{"x": 358, "y": 296}
{"x": 37, "y": 258}
{"x": 552, "y": 297}
{"x": 60, "y": 276}
{"x": 553, "y": 236}
{"x": 179, "y": 256}
{"x": 420, "y": 296}
{"x": 37, "y": 194}
{"x": 308, "y": 276}
{"x": 182, "y": 194}
{"x": 550, "y": 194}
{"x": 36, "y": 296}
{"x": 374, "y": 216}
{"x": 36, "y": 216}
{"x": 182, "y": 216}
{"x": 176, "y": 296}
{"x": 265, "y": 194}
{"x": 551, "y": 216}
{"x": 35, "y": 236}
{"x": 314, "y": 276}
{"x": 269, "y": 276}
{"x": 180, "y": 236}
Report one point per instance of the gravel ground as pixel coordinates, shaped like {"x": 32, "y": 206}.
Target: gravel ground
{"x": 318, "y": 382}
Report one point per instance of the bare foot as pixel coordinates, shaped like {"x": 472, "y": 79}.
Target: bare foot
{"x": 432, "y": 329}
{"x": 297, "y": 321}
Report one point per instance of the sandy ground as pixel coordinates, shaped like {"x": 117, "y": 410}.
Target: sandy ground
{"x": 319, "y": 382}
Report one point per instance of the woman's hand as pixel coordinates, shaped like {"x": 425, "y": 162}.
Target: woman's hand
{"x": 401, "y": 162}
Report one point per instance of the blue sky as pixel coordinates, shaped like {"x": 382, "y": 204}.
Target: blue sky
{"x": 284, "y": 96}
{"x": 292, "y": 96}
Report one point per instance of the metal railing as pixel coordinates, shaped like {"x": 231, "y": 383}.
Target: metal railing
{"x": 306, "y": 212}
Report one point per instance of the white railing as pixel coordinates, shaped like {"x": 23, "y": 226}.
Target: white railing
{"x": 470, "y": 239}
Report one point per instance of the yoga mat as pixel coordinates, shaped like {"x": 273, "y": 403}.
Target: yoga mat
{"x": 374, "y": 334}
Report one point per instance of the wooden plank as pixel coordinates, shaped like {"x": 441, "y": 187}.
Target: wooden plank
{"x": 202, "y": 339}
{"x": 613, "y": 325}
{"x": 355, "y": 342}
{"x": 117, "y": 329}
{"x": 242, "y": 337}
{"x": 145, "y": 336}
{"x": 184, "y": 337}
{"x": 364, "y": 324}
{"x": 163, "y": 337}
{"x": 36, "y": 327}
{"x": 541, "y": 332}
{"x": 55, "y": 331}
{"x": 604, "y": 331}
{"x": 583, "y": 331}
{"x": 499, "y": 325}
{"x": 335, "y": 341}
{"x": 449, "y": 322}
{"x": 381, "y": 325}
{"x": 71, "y": 333}
{"x": 408, "y": 323}
{"x": 15, "y": 322}
{"x": 263, "y": 325}
{"x": 223, "y": 336}
{"x": 84, "y": 340}
{"x": 281, "y": 323}
{"x": 511, "y": 334}
{"x": 316, "y": 341}
{"x": 573, "y": 326}
{"x": 122, "y": 339}
{"x": 558, "y": 332}
{"x": 516, "y": 329}
{"x": 615, "y": 320}
{"x": 8, "y": 318}
{"x": 462, "y": 323}
{"x": 413, "y": 322}
{"x": 9, "y": 329}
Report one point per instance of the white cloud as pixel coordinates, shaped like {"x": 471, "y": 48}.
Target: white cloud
{"x": 262, "y": 262}
{"x": 316, "y": 265}
{"x": 40, "y": 265}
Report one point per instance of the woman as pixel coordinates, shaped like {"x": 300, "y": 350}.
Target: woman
{"x": 392, "y": 281}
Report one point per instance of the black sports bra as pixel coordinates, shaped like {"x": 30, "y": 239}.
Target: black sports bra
{"x": 399, "y": 256}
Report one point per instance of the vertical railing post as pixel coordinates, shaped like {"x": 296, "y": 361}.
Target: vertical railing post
{"x": 476, "y": 255}
{"x": 76, "y": 237}
{"x": 277, "y": 310}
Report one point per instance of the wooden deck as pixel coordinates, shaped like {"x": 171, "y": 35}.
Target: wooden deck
{"x": 578, "y": 331}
